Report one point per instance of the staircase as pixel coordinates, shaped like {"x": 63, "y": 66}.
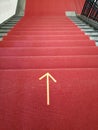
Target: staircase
{"x": 48, "y": 76}
{"x": 8, "y": 25}
{"x": 88, "y": 29}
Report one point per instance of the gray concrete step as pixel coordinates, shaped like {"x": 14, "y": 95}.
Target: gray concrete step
{"x": 6, "y": 27}
{"x": 96, "y": 43}
{"x": 88, "y": 29}
{"x": 10, "y": 24}
{"x": 4, "y": 30}
{"x": 94, "y": 38}
{"x": 92, "y": 33}
{"x": 3, "y": 34}
{"x": 82, "y": 24}
{"x": 85, "y": 27}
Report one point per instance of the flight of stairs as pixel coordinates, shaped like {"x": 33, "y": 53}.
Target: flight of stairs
{"x": 88, "y": 29}
{"x": 8, "y": 25}
{"x": 35, "y": 48}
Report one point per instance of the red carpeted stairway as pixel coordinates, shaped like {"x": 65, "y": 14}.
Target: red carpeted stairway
{"x": 48, "y": 45}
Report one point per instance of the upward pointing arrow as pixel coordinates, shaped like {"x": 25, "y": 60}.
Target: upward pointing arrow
{"x": 47, "y": 75}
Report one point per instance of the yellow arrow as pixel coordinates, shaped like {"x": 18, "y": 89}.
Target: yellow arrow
{"x": 47, "y": 75}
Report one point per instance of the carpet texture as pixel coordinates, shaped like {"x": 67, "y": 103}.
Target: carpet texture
{"x": 52, "y": 7}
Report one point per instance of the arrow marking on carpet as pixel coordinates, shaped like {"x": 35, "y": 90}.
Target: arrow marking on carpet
{"x": 47, "y": 75}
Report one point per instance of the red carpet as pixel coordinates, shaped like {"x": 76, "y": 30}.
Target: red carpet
{"x": 74, "y": 100}
{"x": 52, "y": 7}
{"x": 40, "y": 45}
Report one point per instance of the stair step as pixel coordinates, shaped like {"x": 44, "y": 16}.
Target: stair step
{"x": 78, "y": 21}
{"x": 88, "y": 29}
{"x": 17, "y": 19}
{"x": 6, "y": 27}
{"x": 46, "y": 29}
{"x": 4, "y": 30}
{"x": 46, "y": 25}
{"x": 56, "y": 26}
{"x": 92, "y": 33}
{"x": 50, "y": 24}
{"x": 48, "y": 62}
{"x": 11, "y": 22}
{"x": 46, "y": 51}
{"x": 3, "y": 34}
{"x": 47, "y": 37}
{"x": 45, "y": 43}
{"x": 85, "y": 27}
{"x": 94, "y": 38}
{"x": 96, "y": 43}
{"x": 81, "y": 24}
{"x": 46, "y": 32}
